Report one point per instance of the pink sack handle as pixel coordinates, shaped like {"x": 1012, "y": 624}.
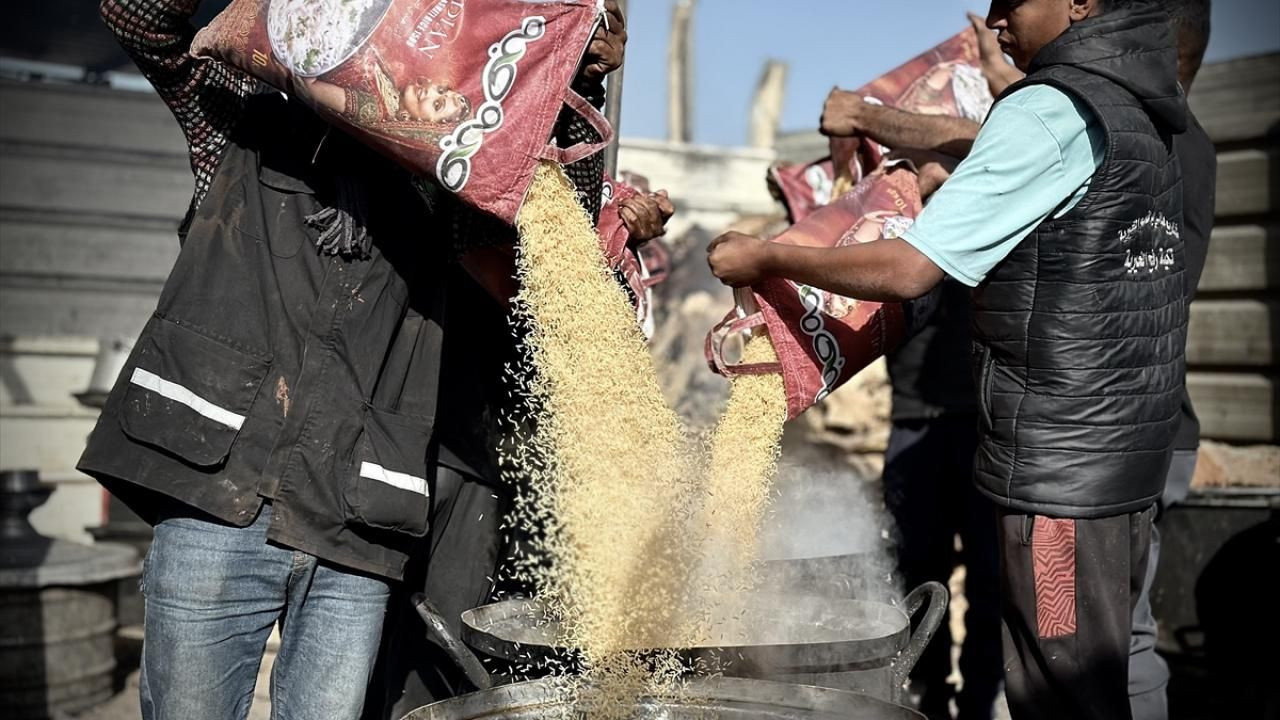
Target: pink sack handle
{"x": 595, "y": 119}
{"x": 660, "y": 276}
{"x": 714, "y": 349}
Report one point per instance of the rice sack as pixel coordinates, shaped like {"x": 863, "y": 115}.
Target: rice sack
{"x": 466, "y": 92}
{"x": 821, "y": 339}
{"x": 944, "y": 80}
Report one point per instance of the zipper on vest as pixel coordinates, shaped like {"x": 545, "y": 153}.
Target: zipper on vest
{"x": 984, "y": 388}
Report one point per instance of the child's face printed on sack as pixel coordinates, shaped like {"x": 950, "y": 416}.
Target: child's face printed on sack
{"x": 432, "y": 102}
{"x": 1025, "y": 26}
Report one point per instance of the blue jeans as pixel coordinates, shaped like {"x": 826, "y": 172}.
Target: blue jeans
{"x": 213, "y": 594}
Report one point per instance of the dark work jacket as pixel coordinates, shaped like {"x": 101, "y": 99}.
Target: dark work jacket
{"x": 272, "y": 371}
{"x": 930, "y": 373}
{"x": 1080, "y": 331}
{"x": 1199, "y": 162}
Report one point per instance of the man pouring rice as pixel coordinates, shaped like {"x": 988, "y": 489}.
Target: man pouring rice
{"x": 275, "y": 420}
{"x": 1079, "y": 359}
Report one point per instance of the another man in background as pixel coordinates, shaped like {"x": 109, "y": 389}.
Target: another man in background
{"x": 928, "y": 487}
{"x": 1148, "y": 672}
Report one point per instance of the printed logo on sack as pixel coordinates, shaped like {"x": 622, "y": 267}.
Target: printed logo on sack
{"x": 454, "y": 167}
{"x": 1149, "y": 233}
{"x": 606, "y": 195}
{"x": 437, "y": 27}
{"x": 824, "y": 343}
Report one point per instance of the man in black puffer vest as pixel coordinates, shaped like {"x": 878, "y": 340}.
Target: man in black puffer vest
{"x": 1066, "y": 219}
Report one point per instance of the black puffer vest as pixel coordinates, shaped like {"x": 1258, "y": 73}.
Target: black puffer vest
{"x": 1080, "y": 332}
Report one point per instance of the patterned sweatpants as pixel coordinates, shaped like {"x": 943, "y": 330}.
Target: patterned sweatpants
{"x": 1069, "y": 587}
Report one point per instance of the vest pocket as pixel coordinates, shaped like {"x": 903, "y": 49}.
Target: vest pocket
{"x": 187, "y": 393}
{"x": 386, "y": 486}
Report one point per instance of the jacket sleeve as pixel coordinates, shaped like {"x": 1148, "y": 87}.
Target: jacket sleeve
{"x": 206, "y": 96}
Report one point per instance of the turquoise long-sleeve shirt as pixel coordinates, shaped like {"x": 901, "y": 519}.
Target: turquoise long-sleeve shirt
{"x": 1033, "y": 158}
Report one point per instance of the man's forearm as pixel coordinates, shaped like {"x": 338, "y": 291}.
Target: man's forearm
{"x": 880, "y": 271}
{"x": 902, "y": 130}
{"x": 1000, "y": 76}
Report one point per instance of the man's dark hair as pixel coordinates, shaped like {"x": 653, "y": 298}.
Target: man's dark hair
{"x": 1191, "y": 21}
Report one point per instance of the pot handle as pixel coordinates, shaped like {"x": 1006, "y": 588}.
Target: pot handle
{"x": 938, "y": 599}
{"x": 438, "y": 632}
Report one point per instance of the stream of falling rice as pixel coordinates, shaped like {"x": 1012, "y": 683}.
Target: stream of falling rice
{"x": 629, "y": 505}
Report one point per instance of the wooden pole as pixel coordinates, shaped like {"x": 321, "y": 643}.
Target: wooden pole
{"x": 680, "y": 73}
{"x": 613, "y": 110}
{"x": 766, "y": 105}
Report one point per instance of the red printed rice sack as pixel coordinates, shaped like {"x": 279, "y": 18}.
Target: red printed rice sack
{"x": 822, "y": 339}
{"x": 802, "y": 187}
{"x": 945, "y": 80}
{"x": 464, "y": 91}
{"x": 805, "y": 187}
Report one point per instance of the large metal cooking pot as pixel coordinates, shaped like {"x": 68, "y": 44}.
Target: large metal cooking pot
{"x": 701, "y": 698}
{"x": 857, "y": 645}
{"x": 854, "y": 576}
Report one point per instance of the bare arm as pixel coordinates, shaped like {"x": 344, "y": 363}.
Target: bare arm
{"x": 881, "y": 270}
{"x": 933, "y": 168}
{"x": 999, "y": 72}
{"x": 847, "y": 114}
